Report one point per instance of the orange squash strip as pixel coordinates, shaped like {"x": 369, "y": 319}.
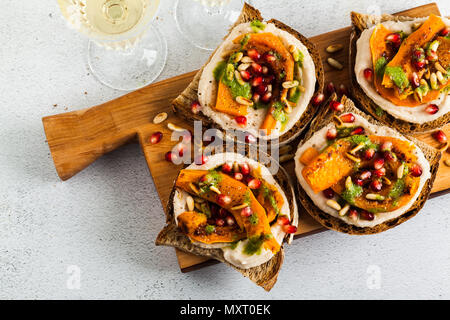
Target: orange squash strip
{"x": 265, "y": 202}
{"x": 226, "y": 104}
{"x": 329, "y": 167}
{"x": 308, "y": 155}
{"x": 191, "y": 223}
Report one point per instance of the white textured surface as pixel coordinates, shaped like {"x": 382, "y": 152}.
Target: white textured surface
{"x": 105, "y": 219}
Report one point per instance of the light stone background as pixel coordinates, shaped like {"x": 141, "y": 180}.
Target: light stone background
{"x": 104, "y": 220}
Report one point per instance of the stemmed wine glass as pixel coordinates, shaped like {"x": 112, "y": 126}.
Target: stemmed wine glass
{"x": 205, "y": 22}
{"x": 125, "y": 51}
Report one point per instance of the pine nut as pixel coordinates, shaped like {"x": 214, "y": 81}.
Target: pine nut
{"x": 244, "y": 101}
{"x": 438, "y": 66}
{"x": 246, "y": 59}
{"x": 344, "y": 210}
{"x": 174, "y": 127}
{"x": 373, "y": 196}
{"x": 215, "y": 189}
{"x": 334, "y": 48}
{"x": 243, "y": 66}
{"x": 400, "y": 171}
{"x": 239, "y": 207}
{"x": 160, "y": 117}
{"x": 333, "y": 204}
{"x": 193, "y": 188}
{"x": 190, "y": 203}
{"x": 352, "y": 157}
{"x": 286, "y": 157}
{"x": 335, "y": 64}
{"x": 290, "y": 84}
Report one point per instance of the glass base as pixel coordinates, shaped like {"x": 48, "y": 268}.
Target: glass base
{"x": 131, "y": 68}
{"x": 203, "y": 25}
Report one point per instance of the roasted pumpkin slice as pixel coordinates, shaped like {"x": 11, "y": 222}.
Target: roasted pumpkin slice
{"x": 226, "y": 104}
{"x": 255, "y": 224}
{"x": 271, "y": 199}
{"x": 195, "y": 226}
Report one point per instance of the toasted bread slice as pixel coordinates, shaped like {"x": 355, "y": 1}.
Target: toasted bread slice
{"x": 360, "y": 22}
{"x": 264, "y": 275}
{"x": 431, "y": 154}
{"x": 182, "y": 104}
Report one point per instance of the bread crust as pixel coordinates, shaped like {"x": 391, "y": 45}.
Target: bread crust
{"x": 432, "y": 155}
{"x": 360, "y": 22}
{"x": 182, "y": 104}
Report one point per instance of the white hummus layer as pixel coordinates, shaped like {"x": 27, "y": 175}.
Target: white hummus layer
{"x": 319, "y": 141}
{"x": 237, "y": 256}
{"x": 207, "y": 87}
{"x": 364, "y": 60}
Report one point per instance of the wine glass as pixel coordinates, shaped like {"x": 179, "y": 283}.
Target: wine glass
{"x": 204, "y": 23}
{"x": 124, "y": 51}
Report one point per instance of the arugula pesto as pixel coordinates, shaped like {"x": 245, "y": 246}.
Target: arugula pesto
{"x": 212, "y": 178}
{"x": 351, "y": 193}
{"x": 398, "y": 76}
{"x": 254, "y": 245}
{"x": 257, "y": 25}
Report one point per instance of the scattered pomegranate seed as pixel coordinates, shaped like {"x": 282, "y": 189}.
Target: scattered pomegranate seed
{"x": 395, "y": 39}
{"x": 376, "y": 185}
{"x": 353, "y": 214}
{"x": 336, "y": 106}
{"x": 250, "y": 138}
{"x": 416, "y": 170}
{"x": 246, "y": 212}
{"x": 330, "y": 88}
{"x": 369, "y": 153}
{"x": 283, "y": 221}
{"x": 415, "y": 82}
{"x": 241, "y": 121}
{"x": 256, "y": 81}
{"x": 365, "y": 215}
{"x": 257, "y": 68}
{"x": 156, "y": 137}
{"x": 348, "y": 118}
{"x": 432, "y": 108}
{"x": 201, "y": 160}
{"x": 245, "y": 75}
{"x": 331, "y": 133}
{"x": 418, "y": 54}
{"x": 290, "y": 229}
{"x": 366, "y": 175}
{"x": 419, "y": 65}
{"x": 368, "y": 74}
{"x": 318, "y": 99}
{"x": 432, "y": 55}
{"x": 170, "y": 156}
{"x": 254, "y": 184}
{"x": 357, "y": 131}
{"x": 238, "y": 176}
{"x": 359, "y": 182}
{"x": 245, "y": 169}
{"x": 261, "y": 89}
{"x": 378, "y": 163}
{"x": 227, "y": 167}
{"x": 386, "y": 146}
{"x": 223, "y": 200}
{"x": 380, "y": 172}
{"x": 268, "y": 57}
{"x": 388, "y": 156}
{"x": 445, "y": 32}
{"x": 266, "y": 98}
{"x": 342, "y": 90}
{"x": 253, "y": 54}
{"x": 220, "y": 222}
{"x": 328, "y": 193}
{"x": 196, "y": 107}
{"x": 440, "y": 136}
{"x": 230, "y": 220}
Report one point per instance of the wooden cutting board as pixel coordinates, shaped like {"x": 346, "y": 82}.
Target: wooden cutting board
{"x": 76, "y": 139}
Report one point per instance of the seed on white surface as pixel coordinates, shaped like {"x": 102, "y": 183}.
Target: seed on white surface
{"x": 333, "y": 204}
{"x": 344, "y": 210}
{"x": 190, "y": 203}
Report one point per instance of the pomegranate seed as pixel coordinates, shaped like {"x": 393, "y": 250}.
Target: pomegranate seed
{"x": 269, "y": 58}
{"x": 257, "y": 68}
{"x": 369, "y": 153}
{"x": 290, "y": 229}
{"x": 418, "y": 54}
{"x": 245, "y": 169}
{"x": 266, "y": 98}
{"x": 380, "y": 172}
{"x": 342, "y": 90}
{"x": 253, "y": 54}
{"x": 368, "y": 74}
{"x": 250, "y": 138}
{"x": 366, "y": 175}
{"x": 376, "y": 185}
{"x": 416, "y": 170}
{"x": 353, "y": 214}
{"x": 378, "y": 164}
{"x": 365, "y": 215}
{"x": 386, "y": 146}
{"x": 223, "y": 200}
{"x": 265, "y": 70}
{"x": 419, "y": 65}
{"x": 196, "y": 107}
{"x": 432, "y": 108}
{"x": 415, "y": 82}
{"x": 254, "y": 184}
{"x": 220, "y": 222}
{"x": 331, "y": 133}
{"x": 440, "y": 136}
{"x": 222, "y": 212}
{"x": 445, "y": 32}
{"x": 348, "y": 118}
{"x": 246, "y": 212}
{"x": 283, "y": 221}
{"x": 357, "y": 131}
{"x": 245, "y": 75}
{"x": 395, "y": 39}
{"x": 256, "y": 81}
{"x": 230, "y": 220}
{"x": 359, "y": 182}
{"x": 388, "y": 156}
{"x": 318, "y": 99}
{"x": 269, "y": 79}
{"x": 238, "y": 176}
{"x": 261, "y": 89}
{"x": 227, "y": 167}
{"x": 330, "y": 88}
{"x": 336, "y": 106}
{"x": 241, "y": 121}
{"x": 201, "y": 160}
{"x": 328, "y": 193}
{"x": 170, "y": 156}
{"x": 432, "y": 55}
{"x": 156, "y": 137}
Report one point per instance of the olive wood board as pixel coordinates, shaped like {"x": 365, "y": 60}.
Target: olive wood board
{"x": 78, "y": 138}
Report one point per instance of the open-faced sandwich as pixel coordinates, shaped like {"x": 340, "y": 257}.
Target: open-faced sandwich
{"x": 400, "y": 69}
{"x": 234, "y": 210}
{"x": 260, "y": 80}
{"x": 358, "y": 176}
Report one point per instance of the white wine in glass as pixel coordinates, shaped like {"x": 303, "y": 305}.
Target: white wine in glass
{"x": 204, "y": 23}
{"x": 124, "y": 52}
